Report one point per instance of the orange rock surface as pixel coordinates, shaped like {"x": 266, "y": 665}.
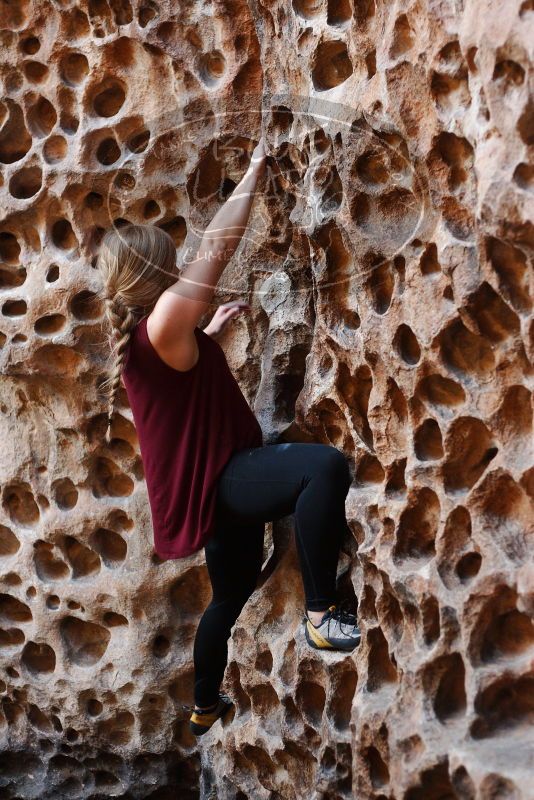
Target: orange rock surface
{"x": 388, "y": 265}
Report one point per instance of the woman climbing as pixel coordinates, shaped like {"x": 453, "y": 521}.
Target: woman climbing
{"x": 211, "y": 482}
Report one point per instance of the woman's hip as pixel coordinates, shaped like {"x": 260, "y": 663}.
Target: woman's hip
{"x": 265, "y": 482}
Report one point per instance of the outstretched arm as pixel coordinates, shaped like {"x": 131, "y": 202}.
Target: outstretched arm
{"x": 223, "y": 234}
{"x": 181, "y": 306}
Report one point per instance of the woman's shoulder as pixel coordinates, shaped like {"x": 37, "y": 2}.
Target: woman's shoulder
{"x": 141, "y": 350}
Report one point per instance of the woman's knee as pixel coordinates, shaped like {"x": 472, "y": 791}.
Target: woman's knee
{"x": 335, "y": 463}
{"x": 230, "y": 606}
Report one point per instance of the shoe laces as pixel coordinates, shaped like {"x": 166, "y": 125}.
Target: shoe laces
{"x": 343, "y": 615}
{"x": 340, "y": 613}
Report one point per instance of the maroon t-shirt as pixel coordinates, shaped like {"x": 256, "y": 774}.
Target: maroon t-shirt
{"x": 189, "y": 424}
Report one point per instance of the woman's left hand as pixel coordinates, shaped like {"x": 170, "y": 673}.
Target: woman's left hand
{"x": 224, "y": 313}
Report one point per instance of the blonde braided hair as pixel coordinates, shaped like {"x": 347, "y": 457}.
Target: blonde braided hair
{"x": 137, "y": 263}
{"x": 123, "y": 321}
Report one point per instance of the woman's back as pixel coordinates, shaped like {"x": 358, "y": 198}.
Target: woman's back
{"x": 189, "y": 424}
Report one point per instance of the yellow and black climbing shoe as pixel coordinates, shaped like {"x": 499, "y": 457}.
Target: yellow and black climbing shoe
{"x": 201, "y": 721}
{"x": 337, "y": 630}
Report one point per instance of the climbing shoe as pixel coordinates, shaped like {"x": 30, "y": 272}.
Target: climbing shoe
{"x": 201, "y": 721}
{"x": 337, "y": 630}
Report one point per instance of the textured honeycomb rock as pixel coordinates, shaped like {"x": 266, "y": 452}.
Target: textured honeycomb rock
{"x": 388, "y": 265}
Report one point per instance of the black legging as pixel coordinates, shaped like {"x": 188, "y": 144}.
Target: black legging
{"x": 259, "y": 485}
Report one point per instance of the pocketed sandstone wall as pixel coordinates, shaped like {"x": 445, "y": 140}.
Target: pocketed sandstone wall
{"x": 388, "y": 265}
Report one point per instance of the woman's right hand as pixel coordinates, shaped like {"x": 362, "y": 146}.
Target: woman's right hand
{"x": 259, "y": 154}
